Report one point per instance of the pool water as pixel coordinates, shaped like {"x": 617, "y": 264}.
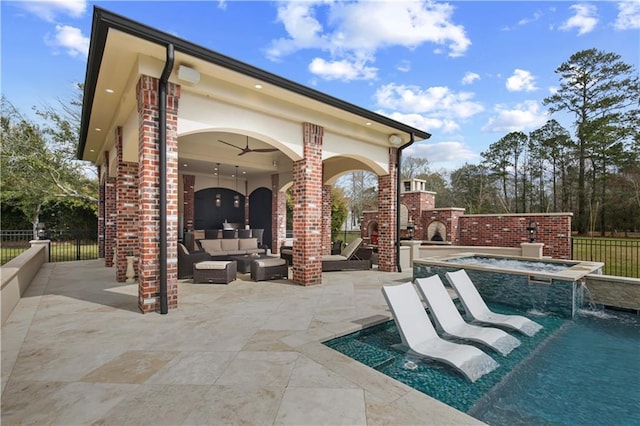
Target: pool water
{"x": 574, "y": 372}
{"x": 517, "y": 264}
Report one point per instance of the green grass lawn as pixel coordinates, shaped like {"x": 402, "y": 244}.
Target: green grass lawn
{"x": 620, "y": 256}
{"x": 60, "y": 252}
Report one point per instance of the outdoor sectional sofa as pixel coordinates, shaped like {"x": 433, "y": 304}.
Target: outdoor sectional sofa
{"x": 222, "y": 248}
{"x": 352, "y": 257}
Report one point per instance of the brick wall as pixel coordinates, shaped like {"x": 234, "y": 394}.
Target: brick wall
{"x": 326, "y": 219}
{"x": 148, "y": 162}
{"x": 387, "y": 216}
{"x": 307, "y": 211}
{"x": 279, "y": 219}
{"x": 416, "y": 203}
{"x": 125, "y": 210}
{"x": 101, "y": 210}
{"x": 510, "y": 230}
{"x": 449, "y": 217}
{"x": 110, "y": 220}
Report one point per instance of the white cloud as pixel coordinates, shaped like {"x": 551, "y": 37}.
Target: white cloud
{"x": 525, "y": 116}
{"x": 359, "y": 29}
{"x": 470, "y": 77}
{"x": 585, "y": 19}
{"x": 432, "y": 109}
{"x": 70, "y": 39}
{"x": 404, "y": 66}
{"x": 628, "y": 15}
{"x": 521, "y": 80}
{"x": 48, "y": 10}
{"x": 341, "y": 70}
{"x": 438, "y": 101}
{"x": 445, "y": 153}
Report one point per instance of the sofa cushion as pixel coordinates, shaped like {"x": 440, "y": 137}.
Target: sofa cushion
{"x": 230, "y": 244}
{"x": 332, "y": 257}
{"x": 254, "y": 250}
{"x": 211, "y": 246}
{"x": 247, "y": 243}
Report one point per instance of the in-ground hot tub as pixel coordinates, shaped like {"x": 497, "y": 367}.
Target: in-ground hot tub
{"x": 545, "y": 285}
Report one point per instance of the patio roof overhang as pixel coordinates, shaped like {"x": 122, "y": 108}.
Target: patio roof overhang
{"x": 122, "y": 49}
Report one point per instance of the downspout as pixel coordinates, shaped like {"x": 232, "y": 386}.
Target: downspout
{"x": 398, "y": 187}
{"x": 162, "y": 111}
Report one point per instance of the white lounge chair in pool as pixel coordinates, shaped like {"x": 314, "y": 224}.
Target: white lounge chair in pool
{"x": 449, "y": 321}
{"x": 478, "y": 311}
{"x": 420, "y": 338}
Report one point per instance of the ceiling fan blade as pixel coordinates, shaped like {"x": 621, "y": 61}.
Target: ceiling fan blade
{"x": 265, "y": 150}
{"x": 230, "y": 144}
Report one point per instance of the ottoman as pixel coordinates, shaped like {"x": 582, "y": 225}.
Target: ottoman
{"x": 214, "y": 271}
{"x": 269, "y": 269}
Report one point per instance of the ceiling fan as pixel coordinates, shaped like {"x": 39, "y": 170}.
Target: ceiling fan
{"x": 247, "y": 150}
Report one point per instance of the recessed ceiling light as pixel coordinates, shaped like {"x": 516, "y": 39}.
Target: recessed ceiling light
{"x": 368, "y": 123}
{"x": 244, "y": 173}
{"x": 109, "y": 90}
{"x": 258, "y": 86}
{"x": 185, "y": 164}
{"x": 92, "y": 150}
{"x": 98, "y": 129}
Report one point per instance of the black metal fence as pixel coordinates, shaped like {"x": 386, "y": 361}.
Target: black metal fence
{"x": 621, "y": 257}
{"x": 65, "y": 245}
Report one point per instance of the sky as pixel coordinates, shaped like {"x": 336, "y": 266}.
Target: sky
{"x": 468, "y": 72}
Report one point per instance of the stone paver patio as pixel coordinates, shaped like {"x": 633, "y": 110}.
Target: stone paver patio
{"x": 76, "y": 351}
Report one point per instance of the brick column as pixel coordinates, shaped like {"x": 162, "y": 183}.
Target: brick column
{"x": 188, "y": 183}
{"x": 126, "y": 210}
{"x": 387, "y": 216}
{"x": 307, "y": 211}
{"x": 101, "y": 212}
{"x": 326, "y": 219}
{"x": 279, "y": 216}
{"x": 148, "y": 154}
{"x": 110, "y": 220}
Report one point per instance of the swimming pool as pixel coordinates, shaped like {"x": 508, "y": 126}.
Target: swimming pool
{"x": 581, "y": 371}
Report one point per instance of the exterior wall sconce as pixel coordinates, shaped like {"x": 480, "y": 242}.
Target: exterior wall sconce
{"x": 395, "y": 139}
{"x": 410, "y": 229}
{"x": 218, "y": 195}
{"x": 533, "y": 229}
{"x": 41, "y": 231}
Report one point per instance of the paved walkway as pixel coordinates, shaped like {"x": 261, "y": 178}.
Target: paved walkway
{"x": 76, "y": 351}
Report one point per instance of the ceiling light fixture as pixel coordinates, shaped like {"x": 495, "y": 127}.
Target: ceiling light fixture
{"x": 218, "y": 195}
{"x": 236, "y": 198}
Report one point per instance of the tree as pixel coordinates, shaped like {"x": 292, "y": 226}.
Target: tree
{"x": 502, "y": 158}
{"x": 338, "y": 211}
{"x": 412, "y": 167}
{"x": 360, "y": 189}
{"x": 553, "y": 144}
{"x": 474, "y": 189}
{"x": 38, "y": 163}
{"x": 599, "y": 90}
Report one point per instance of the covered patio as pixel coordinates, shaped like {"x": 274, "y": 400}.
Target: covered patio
{"x": 174, "y": 127}
{"x": 75, "y": 351}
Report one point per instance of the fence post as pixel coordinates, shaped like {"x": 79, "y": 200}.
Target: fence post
{"x": 47, "y": 247}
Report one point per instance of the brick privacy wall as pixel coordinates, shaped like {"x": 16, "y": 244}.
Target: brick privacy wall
{"x": 279, "y": 219}
{"x": 188, "y": 199}
{"x": 101, "y": 218}
{"x": 449, "y": 217}
{"x": 126, "y": 210}
{"x": 326, "y": 219}
{"x": 554, "y": 230}
{"x": 416, "y": 203}
{"x": 307, "y": 211}
{"x": 387, "y": 215}
{"x": 110, "y": 219}
{"x": 148, "y": 155}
